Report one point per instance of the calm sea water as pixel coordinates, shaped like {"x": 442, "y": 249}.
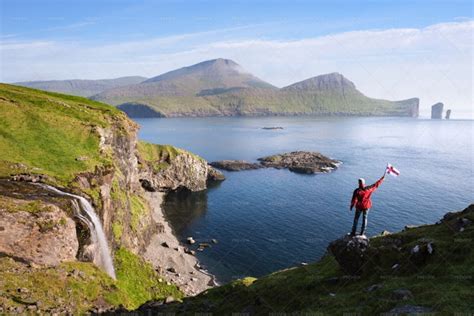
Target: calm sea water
{"x": 269, "y": 219}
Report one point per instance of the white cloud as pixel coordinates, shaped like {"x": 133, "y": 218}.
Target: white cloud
{"x": 433, "y": 63}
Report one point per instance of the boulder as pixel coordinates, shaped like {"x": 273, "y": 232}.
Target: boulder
{"x": 214, "y": 175}
{"x": 409, "y": 309}
{"x": 374, "y": 287}
{"x": 402, "y": 295}
{"x": 421, "y": 252}
{"x": 350, "y": 252}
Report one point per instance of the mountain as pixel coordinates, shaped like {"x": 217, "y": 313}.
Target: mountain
{"x": 84, "y": 88}
{"x": 418, "y": 271}
{"x": 221, "y": 87}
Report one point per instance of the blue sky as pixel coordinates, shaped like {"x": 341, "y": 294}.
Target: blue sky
{"x": 390, "y": 49}
{"x": 108, "y": 20}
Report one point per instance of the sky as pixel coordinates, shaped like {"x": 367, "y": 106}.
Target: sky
{"x": 389, "y": 49}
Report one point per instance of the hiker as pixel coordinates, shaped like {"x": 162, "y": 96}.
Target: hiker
{"x": 361, "y": 201}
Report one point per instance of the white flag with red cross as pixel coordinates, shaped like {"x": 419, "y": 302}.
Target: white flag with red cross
{"x": 392, "y": 170}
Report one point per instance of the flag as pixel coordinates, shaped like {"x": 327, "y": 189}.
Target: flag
{"x": 392, "y": 170}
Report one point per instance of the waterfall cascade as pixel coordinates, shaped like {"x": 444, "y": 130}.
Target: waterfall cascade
{"x": 86, "y": 213}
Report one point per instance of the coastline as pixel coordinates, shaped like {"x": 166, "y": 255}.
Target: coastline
{"x": 168, "y": 256}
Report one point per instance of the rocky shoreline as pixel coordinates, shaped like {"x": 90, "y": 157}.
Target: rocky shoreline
{"x": 304, "y": 162}
{"x": 173, "y": 260}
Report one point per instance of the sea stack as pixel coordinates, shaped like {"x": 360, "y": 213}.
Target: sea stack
{"x": 448, "y": 114}
{"x": 437, "y": 111}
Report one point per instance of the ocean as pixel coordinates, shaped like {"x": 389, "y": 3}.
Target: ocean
{"x": 266, "y": 220}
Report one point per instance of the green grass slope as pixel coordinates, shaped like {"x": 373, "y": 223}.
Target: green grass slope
{"x": 444, "y": 283}
{"x": 50, "y": 133}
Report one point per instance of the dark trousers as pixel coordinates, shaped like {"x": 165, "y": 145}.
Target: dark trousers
{"x": 356, "y": 220}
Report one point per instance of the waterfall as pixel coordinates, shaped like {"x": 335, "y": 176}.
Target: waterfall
{"x": 87, "y": 214}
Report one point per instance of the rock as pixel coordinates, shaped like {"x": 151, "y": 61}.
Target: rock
{"x": 172, "y": 270}
{"x": 437, "y": 111}
{"x": 150, "y": 305}
{"x": 374, "y": 287}
{"x": 37, "y": 232}
{"x": 350, "y": 252}
{"x": 169, "y": 299}
{"x": 190, "y": 240}
{"x": 410, "y": 310}
{"x": 82, "y": 158}
{"x": 402, "y": 294}
{"x": 421, "y": 252}
{"x": 235, "y": 165}
{"x": 165, "y": 244}
{"x": 462, "y": 223}
{"x": 385, "y": 233}
{"x": 407, "y": 227}
{"x": 214, "y": 175}
{"x": 301, "y": 162}
{"x": 448, "y": 114}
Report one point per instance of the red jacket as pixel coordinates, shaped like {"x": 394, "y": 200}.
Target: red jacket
{"x": 361, "y": 196}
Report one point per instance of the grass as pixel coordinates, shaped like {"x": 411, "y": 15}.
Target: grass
{"x": 138, "y": 208}
{"x": 139, "y": 280}
{"x": 14, "y": 205}
{"x": 444, "y": 282}
{"x": 50, "y": 133}
{"x": 78, "y": 285}
{"x": 158, "y": 157}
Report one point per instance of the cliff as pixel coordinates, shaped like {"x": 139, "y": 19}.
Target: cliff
{"x": 437, "y": 111}
{"x": 426, "y": 269}
{"x": 86, "y": 149}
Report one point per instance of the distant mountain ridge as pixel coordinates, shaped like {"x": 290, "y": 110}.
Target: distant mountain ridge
{"x": 221, "y": 87}
{"x": 81, "y": 87}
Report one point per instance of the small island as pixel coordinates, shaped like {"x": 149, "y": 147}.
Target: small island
{"x": 272, "y": 127}
{"x": 305, "y": 162}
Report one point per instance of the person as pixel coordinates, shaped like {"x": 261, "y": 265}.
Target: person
{"x": 361, "y": 201}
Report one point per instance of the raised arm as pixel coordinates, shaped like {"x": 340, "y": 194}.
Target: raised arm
{"x": 374, "y": 186}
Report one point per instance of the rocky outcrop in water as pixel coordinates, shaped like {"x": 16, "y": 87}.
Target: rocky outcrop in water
{"x": 448, "y": 114}
{"x": 235, "y": 165}
{"x": 296, "y": 161}
{"x": 437, "y": 111}
{"x": 300, "y": 162}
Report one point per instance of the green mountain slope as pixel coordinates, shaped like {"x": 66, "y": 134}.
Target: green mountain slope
{"x": 222, "y": 88}
{"x": 84, "y": 88}
{"x": 394, "y": 278}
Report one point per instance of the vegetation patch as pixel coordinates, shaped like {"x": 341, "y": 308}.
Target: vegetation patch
{"x": 140, "y": 281}
{"x": 138, "y": 208}
{"x": 50, "y": 133}
{"x": 14, "y": 205}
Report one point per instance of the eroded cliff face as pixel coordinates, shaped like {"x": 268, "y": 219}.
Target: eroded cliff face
{"x": 122, "y": 192}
